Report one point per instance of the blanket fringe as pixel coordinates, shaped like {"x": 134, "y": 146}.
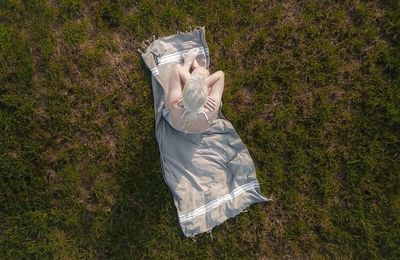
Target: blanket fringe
{"x": 147, "y": 42}
{"x": 210, "y": 233}
{"x": 271, "y": 197}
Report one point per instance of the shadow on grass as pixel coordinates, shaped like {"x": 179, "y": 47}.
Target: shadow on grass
{"x": 143, "y": 214}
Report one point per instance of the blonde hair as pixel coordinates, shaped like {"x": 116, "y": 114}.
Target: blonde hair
{"x": 194, "y": 96}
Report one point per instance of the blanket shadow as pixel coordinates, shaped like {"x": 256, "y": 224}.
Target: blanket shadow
{"x": 143, "y": 213}
{"x": 142, "y": 209}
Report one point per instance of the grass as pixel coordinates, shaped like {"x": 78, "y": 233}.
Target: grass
{"x": 312, "y": 88}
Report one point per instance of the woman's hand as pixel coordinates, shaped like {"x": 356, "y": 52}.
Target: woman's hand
{"x": 210, "y": 103}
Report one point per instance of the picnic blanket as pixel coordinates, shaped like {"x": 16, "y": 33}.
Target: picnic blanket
{"x": 211, "y": 175}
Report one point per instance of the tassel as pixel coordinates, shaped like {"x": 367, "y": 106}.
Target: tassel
{"x": 209, "y": 232}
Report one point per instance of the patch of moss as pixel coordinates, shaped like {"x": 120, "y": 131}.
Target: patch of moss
{"x": 109, "y": 13}
{"x": 70, "y": 9}
{"x": 74, "y": 33}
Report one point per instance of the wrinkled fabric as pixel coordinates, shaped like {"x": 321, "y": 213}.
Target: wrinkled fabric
{"x": 211, "y": 175}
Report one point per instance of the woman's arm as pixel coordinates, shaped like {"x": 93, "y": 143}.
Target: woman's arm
{"x": 174, "y": 86}
{"x": 216, "y": 82}
{"x": 184, "y": 74}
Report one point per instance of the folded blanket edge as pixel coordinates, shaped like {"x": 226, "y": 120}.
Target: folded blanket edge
{"x": 147, "y": 42}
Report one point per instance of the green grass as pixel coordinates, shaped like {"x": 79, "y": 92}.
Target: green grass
{"x": 312, "y": 88}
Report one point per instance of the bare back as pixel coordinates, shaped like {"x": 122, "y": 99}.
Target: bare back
{"x": 203, "y": 121}
{"x": 215, "y": 84}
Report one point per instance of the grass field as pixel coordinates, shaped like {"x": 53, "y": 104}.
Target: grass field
{"x": 312, "y": 88}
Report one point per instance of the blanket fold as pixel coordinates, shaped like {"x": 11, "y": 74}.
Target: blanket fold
{"x": 211, "y": 175}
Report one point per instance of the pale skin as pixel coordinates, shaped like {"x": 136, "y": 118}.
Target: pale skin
{"x": 179, "y": 75}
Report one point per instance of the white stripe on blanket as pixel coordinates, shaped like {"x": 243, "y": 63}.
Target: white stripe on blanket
{"x": 178, "y": 56}
{"x": 215, "y": 203}
{"x": 155, "y": 71}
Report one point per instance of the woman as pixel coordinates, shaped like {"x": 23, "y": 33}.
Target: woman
{"x": 194, "y": 96}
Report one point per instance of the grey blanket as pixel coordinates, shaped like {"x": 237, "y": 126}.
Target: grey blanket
{"x": 211, "y": 175}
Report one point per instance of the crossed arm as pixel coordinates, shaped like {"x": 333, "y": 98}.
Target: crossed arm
{"x": 180, "y": 75}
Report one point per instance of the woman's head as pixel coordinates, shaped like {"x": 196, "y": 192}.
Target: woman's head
{"x": 194, "y": 96}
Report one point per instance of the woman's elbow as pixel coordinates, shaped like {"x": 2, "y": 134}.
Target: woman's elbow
{"x": 221, "y": 74}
